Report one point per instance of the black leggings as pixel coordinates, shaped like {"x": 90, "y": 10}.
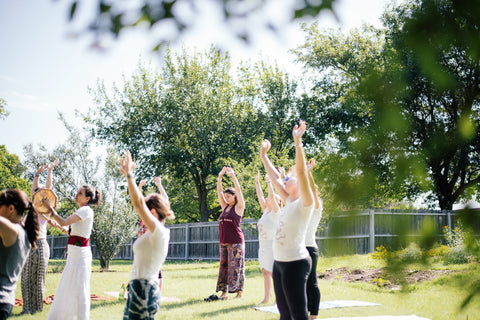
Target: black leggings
{"x": 290, "y": 282}
{"x": 313, "y": 292}
{"x": 5, "y": 310}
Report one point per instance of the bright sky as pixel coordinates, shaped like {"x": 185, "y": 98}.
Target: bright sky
{"x": 44, "y": 71}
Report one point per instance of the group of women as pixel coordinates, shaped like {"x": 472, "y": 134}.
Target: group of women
{"x": 288, "y": 251}
{"x": 287, "y": 248}
{"x": 23, "y": 246}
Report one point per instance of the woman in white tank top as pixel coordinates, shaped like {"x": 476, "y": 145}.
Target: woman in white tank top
{"x": 267, "y": 226}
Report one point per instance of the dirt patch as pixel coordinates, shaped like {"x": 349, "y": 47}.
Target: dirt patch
{"x": 380, "y": 277}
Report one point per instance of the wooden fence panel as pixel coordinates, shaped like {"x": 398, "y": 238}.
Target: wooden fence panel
{"x": 346, "y": 233}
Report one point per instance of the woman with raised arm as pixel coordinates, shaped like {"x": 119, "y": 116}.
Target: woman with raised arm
{"x": 231, "y": 275}
{"x": 149, "y": 251}
{"x": 72, "y": 297}
{"x": 17, "y": 235}
{"x": 267, "y": 225}
{"x": 313, "y": 292}
{"x": 35, "y": 268}
{"x": 292, "y": 261}
{"x": 142, "y": 228}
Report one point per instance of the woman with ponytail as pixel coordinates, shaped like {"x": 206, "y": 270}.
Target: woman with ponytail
{"x": 17, "y": 235}
{"x": 72, "y": 298}
{"x": 149, "y": 250}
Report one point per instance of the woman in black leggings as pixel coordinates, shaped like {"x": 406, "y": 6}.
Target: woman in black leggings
{"x": 292, "y": 261}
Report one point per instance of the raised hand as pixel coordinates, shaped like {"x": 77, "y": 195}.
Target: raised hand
{"x": 264, "y": 147}
{"x": 53, "y": 164}
{"x": 229, "y": 171}
{"x": 142, "y": 183}
{"x": 41, "y": 168}
{"x": 127, "y": 164}
{"x": 158, "y": 182}
{"x": 299, "y": 130}
{"x": 257, "y": 178}
{"x": 222, "y": 172}
{"x": 310, "y": 164}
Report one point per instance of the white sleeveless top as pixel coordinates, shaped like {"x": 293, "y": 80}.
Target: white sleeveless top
{"x": 83, "y": 228}
{"x": 267, "y": 225}
{"x": 149, "y": 253}
{"x": 315, "y": 217}
{"x": 289, "y": 243}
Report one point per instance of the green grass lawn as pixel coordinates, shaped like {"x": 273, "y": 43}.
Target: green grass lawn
{"x": 191, "y": 282}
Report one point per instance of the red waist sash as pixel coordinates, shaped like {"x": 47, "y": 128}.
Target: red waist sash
{"x": 78, "y": 241}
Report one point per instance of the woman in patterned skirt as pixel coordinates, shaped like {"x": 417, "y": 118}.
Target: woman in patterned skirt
{"x": 35, "y": 268}
{"x": 231, "y": 275}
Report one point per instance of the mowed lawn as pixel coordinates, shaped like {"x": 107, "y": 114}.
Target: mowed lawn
{"x": 191, "y": 282}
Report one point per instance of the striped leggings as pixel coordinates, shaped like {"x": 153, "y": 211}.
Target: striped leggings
{"x": 33, "y": 277}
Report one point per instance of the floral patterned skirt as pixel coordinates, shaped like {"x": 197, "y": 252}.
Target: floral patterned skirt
{"x": 231, "y": 275}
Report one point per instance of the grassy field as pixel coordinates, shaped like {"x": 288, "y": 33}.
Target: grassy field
{"x": 191, "y": 282}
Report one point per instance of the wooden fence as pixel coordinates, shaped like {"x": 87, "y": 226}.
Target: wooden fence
{"x": 346, "y": 233}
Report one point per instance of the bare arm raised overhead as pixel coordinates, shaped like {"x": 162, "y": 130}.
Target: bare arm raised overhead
{"x": 240, "y": 200}
{"x": 300, "y": 165}
{"x": 260, "y": 196}
{"x": 221, "y": 198}
{"x": 138, "y": 201}
{"x": 271, "y": 170}
{"x": 158, "y": 183}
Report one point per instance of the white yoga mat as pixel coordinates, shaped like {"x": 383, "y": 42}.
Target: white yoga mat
{"x": 327, "y": 305}
{"x": 410, "y": 317}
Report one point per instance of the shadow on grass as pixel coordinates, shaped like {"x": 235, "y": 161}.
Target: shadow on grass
{"x": 227, "y": 310}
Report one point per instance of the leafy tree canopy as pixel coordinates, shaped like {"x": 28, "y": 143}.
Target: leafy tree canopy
{"x": 12, "y": 172}
{"x": 242, "y": 19}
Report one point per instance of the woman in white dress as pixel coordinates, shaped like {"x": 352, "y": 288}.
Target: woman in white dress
{"x": 267, "y": 225}
{"x": 72, "y": 297}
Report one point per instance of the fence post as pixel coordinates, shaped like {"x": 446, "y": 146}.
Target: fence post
{"x": 371, "y": 244}
{"x": 449, "y": 221}
{"x": 187, "y": 236}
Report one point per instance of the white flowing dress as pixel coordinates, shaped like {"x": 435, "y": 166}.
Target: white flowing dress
{"x": 72, "y": 298}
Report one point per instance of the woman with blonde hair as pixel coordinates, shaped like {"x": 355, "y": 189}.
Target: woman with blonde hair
{"x": 292, "y": 261}
{"x": 267, "y": 225}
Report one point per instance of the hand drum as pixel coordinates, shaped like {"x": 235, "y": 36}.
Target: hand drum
{"x": 39, "y": 200}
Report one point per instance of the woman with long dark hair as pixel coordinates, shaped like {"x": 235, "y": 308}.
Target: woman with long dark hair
{"x": 17, "y": 235}
{"x": 231, "y": 274}
{"x": 72, "y": 297}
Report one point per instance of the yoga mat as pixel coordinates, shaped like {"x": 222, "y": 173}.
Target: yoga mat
{"x": 410, "y": 317}
{"x": 327, "y": 305}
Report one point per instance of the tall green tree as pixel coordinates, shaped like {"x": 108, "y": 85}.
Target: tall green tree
{"x": 185, "y": 121}
{"x": 400, "y": 116}
{"x": 12, "y": 171}
{"x": 115, "y": 221}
